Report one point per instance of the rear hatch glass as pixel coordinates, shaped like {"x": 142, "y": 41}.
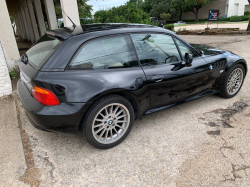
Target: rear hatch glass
{"x": 41, "y": 51}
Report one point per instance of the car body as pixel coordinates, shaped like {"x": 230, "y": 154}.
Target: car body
{"x": 148, "y": 81}
{"x": 180, "y": 23}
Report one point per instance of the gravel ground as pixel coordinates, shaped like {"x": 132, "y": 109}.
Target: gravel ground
{"x": 200, "y": 143}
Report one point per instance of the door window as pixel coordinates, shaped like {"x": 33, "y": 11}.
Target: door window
{"x": 104, "y": 53}
{"x": 155, "y": 49}
{"x": 184, "y": 49}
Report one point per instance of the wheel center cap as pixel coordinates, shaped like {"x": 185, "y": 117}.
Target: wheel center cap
{"x": 110, "y": 122}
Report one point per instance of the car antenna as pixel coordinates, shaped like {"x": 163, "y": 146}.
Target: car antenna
{"x": 74, "y": 25}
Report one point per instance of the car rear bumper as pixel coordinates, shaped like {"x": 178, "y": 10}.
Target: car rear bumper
{"x": 65, "y": 117}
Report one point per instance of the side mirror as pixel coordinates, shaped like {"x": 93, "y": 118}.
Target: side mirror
{"x": 188, "y": 59}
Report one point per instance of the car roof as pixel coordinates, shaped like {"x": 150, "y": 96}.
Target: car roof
{"x": 67, "y": 32}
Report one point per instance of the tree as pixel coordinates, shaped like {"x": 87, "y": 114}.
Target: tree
{"x": 248, "y": 28}
{"x": 178, "y": 7}
{"x": 165, "y": 16}
{"x": 83, "y": 8}
{"x": 147, "y": 5}
{"x": 138, "y": 3}
{"x": 195, "y": 5}
{"x": 127, "y": 13}
{"x": 159, "y": 7}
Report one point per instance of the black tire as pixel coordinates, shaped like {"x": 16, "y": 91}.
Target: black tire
{"x": 95, "y": 109}
{"x": 224, "y": 93}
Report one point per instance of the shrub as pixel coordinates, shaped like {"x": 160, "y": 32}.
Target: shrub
{"x": 169, "y": 27}
{"x": 235, "y": 18}
{"x": 247, "y": 13}
{"x": 244, "y": 18}
{"x": 224, "y": 19}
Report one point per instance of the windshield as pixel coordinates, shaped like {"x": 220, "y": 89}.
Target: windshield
{"x": 40, "y": 52}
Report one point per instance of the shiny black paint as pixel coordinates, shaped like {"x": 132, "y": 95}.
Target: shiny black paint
{"x": 149, "y": 89}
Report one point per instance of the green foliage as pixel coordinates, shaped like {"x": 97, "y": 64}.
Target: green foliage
{"x": 235, "y": 18}
{"x": 165, "y": 16}
{"x": 247, "y": 13}
{"x": 12, "y": 19}
{"x": 159, "y": 7}
{"x": 83, "y": 8}
{"x": 127, "y": 13}
{"x": 224, "y": 19}
{"x": 244, "y": 18}
{"x": 169, "y": 27}
{"x": 13, "y": 73}
{"x": 178, "y": 8}
{"x": 138, "y": 3}
{"x": 147, "y": 5}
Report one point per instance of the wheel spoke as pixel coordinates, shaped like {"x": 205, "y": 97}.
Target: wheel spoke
{"x": 106, "y": 135}
{"x": 121, "y": 121}
{"x": 99, "y": 125}
{"x": 119, "y": 112}
{"x": 115, "y": 109}
{"x": 102, "y": 134}
{"x": 100, "y": 120}
{"x": 119, "y": 126}
{"x": 111, "y": 110}
{"x": 119, "y": 117}
{"x": 99, "y": 130}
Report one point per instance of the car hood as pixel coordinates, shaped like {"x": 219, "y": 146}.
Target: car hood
{"x": 208, "y": 50}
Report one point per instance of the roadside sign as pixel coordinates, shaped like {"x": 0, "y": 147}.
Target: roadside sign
{"x": 213, "y": 15}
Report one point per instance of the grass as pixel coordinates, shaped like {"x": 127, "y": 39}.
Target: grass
{"x": 13, "y": 73}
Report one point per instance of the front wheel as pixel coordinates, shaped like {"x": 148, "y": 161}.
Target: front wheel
{"x": 108, "y": 122}
{"x": 233, "y": 81}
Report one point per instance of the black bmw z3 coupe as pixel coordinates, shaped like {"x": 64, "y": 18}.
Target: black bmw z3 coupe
{"x": 98, "y": 78}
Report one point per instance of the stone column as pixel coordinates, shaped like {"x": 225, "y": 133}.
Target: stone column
{"x": 27, "y": 15}
{"x": 71, "y": 9}
{"x": 33, "y": 20}
{"x": 27, "y": 33}
{"x": 39, "y": 15}
{"x": 21, "y": 23}
{"x": 51, "y": 14}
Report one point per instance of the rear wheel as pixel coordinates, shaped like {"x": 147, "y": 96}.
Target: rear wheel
{"x": 108, "y": 122}
{"x": 233, "y": 82}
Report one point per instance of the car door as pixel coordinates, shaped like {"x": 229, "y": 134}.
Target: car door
{"x": 169, "y": 79}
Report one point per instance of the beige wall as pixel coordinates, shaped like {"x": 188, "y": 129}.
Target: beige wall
{"x": 7, "y": 37}
{"x": 247, "y": 8}
{"x": 203, "y": 12}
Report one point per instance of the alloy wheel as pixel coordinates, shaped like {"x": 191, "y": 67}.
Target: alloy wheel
{"x": 235, "y": 81}
{"x": 111, "y": 123}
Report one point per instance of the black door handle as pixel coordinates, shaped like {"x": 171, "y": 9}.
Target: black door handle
{"x": 157, "y": 78}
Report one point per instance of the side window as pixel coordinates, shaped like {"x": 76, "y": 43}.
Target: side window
{"x": 155, "y": 49}
{"x": 184, "y": 49}
{"x": 104, "y": 53}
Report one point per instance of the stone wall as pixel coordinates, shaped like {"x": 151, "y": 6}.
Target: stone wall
{"x": 5, "y": 82}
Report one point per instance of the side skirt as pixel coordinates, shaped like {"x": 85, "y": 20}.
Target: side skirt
{"x": 207, "y": 93}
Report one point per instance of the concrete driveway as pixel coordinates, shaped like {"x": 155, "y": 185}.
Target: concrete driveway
{"x": 242, "y": 26}
{"x": 201, "y": 143}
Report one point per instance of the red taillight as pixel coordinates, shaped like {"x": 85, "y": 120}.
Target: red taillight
{"x": 44, "y": 96}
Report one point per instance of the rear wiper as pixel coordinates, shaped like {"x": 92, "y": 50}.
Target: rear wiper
{"x": 25, "y": 59}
